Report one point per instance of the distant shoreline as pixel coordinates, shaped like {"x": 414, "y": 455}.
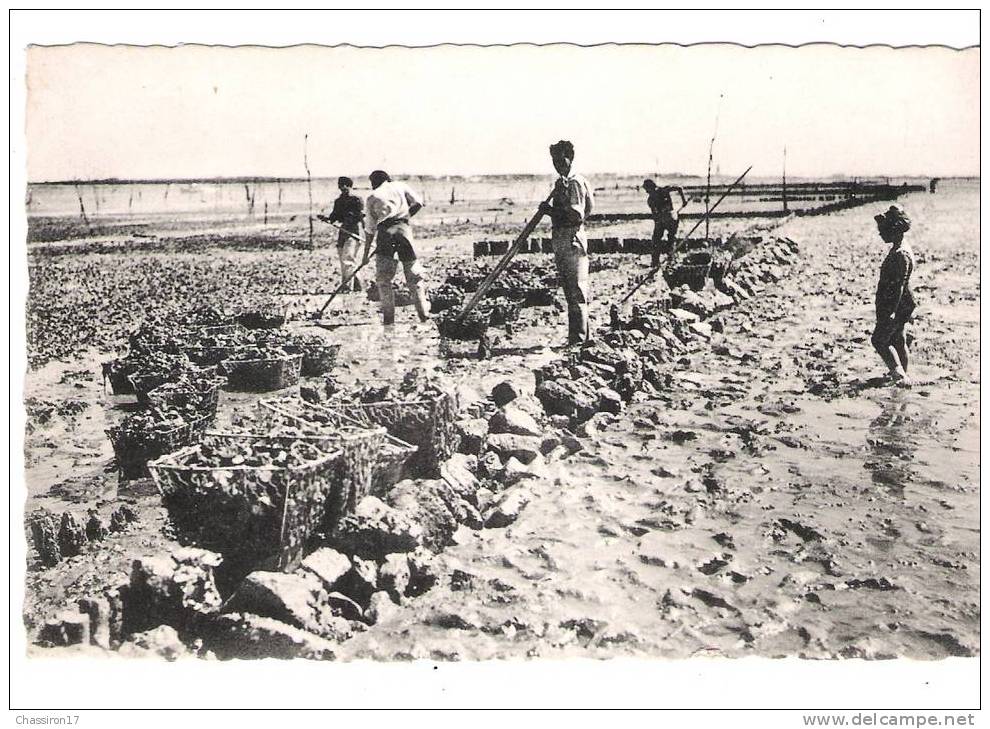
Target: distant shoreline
{"x": 462, "y": 178}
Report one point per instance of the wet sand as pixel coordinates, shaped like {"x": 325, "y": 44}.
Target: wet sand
{"x": 776, "y": 500}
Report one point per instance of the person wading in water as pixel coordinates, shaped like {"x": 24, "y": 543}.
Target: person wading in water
{"x": 894, "y": 300}
{"x": 661, "y": 202}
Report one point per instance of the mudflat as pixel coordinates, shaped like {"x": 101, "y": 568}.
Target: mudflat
{"x": 776, "y": 499}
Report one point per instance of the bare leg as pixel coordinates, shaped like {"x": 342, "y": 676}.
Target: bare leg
{"x": 900, "y": 348}
{"x": 672, "y": 235}
{"x": 881, "y": 342}
{"x": 657, "y": 238}
{"x": 384, "y": 272}
{"x": 414, "y": 280}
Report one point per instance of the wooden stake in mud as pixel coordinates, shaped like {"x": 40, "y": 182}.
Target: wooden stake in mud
{"x": 309, "y": 185}
{"x": 708, "y": 185}
{"x": 502, "y": 264}
{"x": 250, "y": 199}
{"x": 711, "y": 150}
{"x": 653, "y": 271}
{"x": 82, "y": 207}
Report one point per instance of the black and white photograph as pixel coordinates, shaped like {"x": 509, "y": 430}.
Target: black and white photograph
{"x": 524, "y": 353}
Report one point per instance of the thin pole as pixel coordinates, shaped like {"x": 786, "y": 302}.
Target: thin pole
{"x": 711, "y": 151}
{"x": 309, "y": 185}
{"x": 82, "y": 207}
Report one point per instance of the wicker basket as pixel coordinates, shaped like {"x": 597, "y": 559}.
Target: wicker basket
{"x": 471, "y": 328}
{"x": 198, "y": 427}
{"x": 692, "y": 270}
{"x": 391, "y": 465}
{"x": 247, "y": 513}
{"x": 143, "y": 383}
{"x": 203, "y": 400}
{"x": 392, "y": 453}
{"x": 134, "y": 449}
{"x": 427, "y": 424}
{"x": 359, "y": 447}
{"x": 270, "y": 319}
{"x": 317, "y": 359}
{"x": 401, "y": 296}
{"x": 118, "y": 373}
{"x": 262, "y": 375}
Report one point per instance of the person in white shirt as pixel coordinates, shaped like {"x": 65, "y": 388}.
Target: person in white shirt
{"x": 387, "y": 212}
{"x": 572, "y": 204}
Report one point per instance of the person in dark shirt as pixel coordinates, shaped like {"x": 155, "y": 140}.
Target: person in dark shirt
{"x": 665, "y": 217}
{"x": 894, "y": 300}
{"x": 348, "y": 213}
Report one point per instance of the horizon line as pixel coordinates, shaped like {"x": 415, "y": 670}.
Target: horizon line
{"x": 279, "y": 178}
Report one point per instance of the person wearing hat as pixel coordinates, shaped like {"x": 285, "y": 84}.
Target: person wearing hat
{"x": 348, "y": 212}
{"x": 894, "y": 300}
{"x": 665, "y": 219}
{"x": 389, "y": 208}
{"x": 571, "y": 205}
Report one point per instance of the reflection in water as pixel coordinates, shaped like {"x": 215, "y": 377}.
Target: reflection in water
{"x": 894, "y": 437}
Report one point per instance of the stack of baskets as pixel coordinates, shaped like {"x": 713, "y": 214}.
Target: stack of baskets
{"x": 247, "y": 494}
{"x": 391, "y": 456}
{"x": 258, "y": 511}
{"x": 177, "y": 367}
{"x": 178, "y": 401}
{"x": 266, "y": 360}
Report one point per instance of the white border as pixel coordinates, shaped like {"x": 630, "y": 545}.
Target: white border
{"x": 65, "y": 685}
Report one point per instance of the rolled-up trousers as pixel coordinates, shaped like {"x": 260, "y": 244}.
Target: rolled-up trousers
{"x": 571, "y": 256}
{"x": 349, "y": 251}
{"x": 395, "y": 240}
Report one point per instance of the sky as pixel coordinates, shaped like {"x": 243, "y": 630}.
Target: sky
{"x": 199, "y": 111}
